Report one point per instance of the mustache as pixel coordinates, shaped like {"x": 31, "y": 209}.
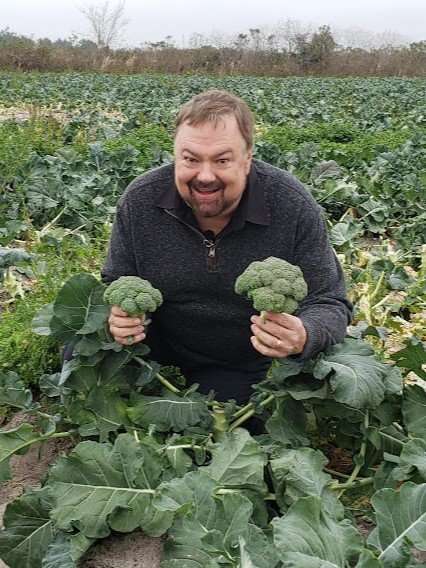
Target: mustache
{"x": 211, "y": 186}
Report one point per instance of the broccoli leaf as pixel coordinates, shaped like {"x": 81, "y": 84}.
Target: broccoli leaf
{"x": 401, "y": 520}
{"x": 13, "y": 442}
{"x": 28, "y": 531}
{"x": 414, "y": 410}
{"x": 79, "y": 308}
{"x": 171, "y": 412}
{"x": 65, "y": 550}
{"x": 357, "y": 378}
{"x": 237, "y": 460}
{"x": 299, "y": 473}
{"x": 99, "y": 488}
{"x": 309, "y": 536}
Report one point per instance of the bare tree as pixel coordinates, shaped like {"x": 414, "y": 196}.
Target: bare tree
{"x": 106, "y": 22}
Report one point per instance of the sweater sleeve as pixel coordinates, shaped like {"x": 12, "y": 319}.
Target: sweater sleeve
{"x": 120, "y": 259}
{"x": 326, "y": 311}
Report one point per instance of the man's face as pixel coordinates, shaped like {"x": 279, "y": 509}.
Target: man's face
{"x": 212, "y": 164}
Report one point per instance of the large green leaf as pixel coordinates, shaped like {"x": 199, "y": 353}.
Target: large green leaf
{"x": 28, "y": 531}
{"x": 299, "y": 473}
{"x": 79, "y": 307}
{"x": 211, "y": 533}
{"x": 413, "y": 456}
{"x": 412, "y": 357}
{"x": 13, "y": 391}
{"x": 401, "y": 519}
{"x": 65, "y": 550}
{"x": 237, "y": 460}
{"x": 310, "y": 536}
{"x": 287, "y": 424}
{"x": 357, "y": 377}
{"x": 99, "y": 487}
{"x": 414, "y": 410}
{"x": 15, "y": 441}
{"x": 256, "y": 551}
{"x": 171, "y": 411}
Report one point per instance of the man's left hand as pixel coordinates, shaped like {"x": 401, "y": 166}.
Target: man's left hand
{"x": 280, "y": 335}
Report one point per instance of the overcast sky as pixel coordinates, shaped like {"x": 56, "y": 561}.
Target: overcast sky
{"x": 153, "y": 20}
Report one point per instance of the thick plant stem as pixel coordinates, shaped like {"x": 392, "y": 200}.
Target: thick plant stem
{"x": 167, "y": 384}
{"x": 351, "y": 485}
{"x": 249, "y": 411}
{"x": 361, "y": 458}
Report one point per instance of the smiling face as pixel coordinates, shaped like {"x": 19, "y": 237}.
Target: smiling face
{"x": 212, "y": 162}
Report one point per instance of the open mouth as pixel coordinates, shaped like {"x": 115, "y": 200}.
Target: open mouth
{"x": 206, "y": 191}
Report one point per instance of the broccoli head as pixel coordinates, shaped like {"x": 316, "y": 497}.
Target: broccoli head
{"x": 273, "y": 285}
{"x": 133, "y": 295}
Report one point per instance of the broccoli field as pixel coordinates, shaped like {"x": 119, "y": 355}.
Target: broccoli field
{"x": 338, "y": 479}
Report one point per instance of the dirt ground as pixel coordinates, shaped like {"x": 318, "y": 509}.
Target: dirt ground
{"x": 119, "y": 551}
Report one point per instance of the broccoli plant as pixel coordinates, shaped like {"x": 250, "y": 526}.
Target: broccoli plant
{"x": 133, "y": 295}
{"x": 273, "y": 285}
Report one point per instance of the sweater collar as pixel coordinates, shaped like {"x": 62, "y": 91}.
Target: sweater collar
{"x": 253, "y": 206}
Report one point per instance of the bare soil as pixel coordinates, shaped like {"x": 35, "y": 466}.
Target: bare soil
{"x": 134, "y": 550}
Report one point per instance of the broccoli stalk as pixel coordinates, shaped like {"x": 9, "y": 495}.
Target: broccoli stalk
{"x": 273, "y": 285}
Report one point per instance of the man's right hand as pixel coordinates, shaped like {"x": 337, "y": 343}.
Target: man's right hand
{"x": 125, "y": 329}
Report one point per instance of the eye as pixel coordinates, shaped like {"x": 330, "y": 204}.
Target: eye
{"x": 189, "y": 159}
{"x": 223, "y": 161}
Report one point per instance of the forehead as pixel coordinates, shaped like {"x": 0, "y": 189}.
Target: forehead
{"x": 215, "y": 136}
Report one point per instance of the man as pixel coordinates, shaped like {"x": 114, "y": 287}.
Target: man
{"x": 192, "y": 227}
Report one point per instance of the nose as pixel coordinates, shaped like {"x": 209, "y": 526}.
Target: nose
{"x": 205, "y": 173}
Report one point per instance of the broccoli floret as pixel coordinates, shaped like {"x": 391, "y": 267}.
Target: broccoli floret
{"x": 273, "y": 285}
{"x": 134, "y": 295}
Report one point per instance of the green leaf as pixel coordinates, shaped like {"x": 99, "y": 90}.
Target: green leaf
{"x": 299, "y": 473}
{"x": 357, "y": 378}
{"x": 210, "y": 531}
{"x": 13, "y": 391}
{"x": 288, "y": 423}
{"x": 368, "y": 560}
{"x": 15, "y": 441}
{"x": 256, "y": 551}
{"x": 413, "y": 455}
{"x": 28, "y": 531}
{"x": 401, "y": 519}
{"x": 42, "y": 320}
{"x": 99, "y": 487}
{"x": 109, "y": 409}
{"x": 414, "y": 410}
{"x": 309, "y": 536}
{"x": 171, "y": 411}
{"x": 237, "y": 460}
{"x": 412, "y": 357}
{"x": 79, "y": 307}
{"x": 65, "y": 550}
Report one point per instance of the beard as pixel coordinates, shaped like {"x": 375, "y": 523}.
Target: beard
{"x": 208, "y": 199}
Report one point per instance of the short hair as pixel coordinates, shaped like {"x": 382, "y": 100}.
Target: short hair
{"x": 212, "y": 106}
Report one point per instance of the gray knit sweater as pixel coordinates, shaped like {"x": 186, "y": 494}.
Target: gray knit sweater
{"x": 202, "y": 321}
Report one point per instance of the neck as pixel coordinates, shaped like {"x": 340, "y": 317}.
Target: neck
{"x": 212, "y": 224}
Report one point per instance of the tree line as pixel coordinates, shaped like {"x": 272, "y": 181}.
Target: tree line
{"x": 256, "y": 52}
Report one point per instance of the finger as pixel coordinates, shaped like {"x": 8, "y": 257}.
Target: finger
{"x": 116, "y": 311}
{"x": 126, "y": 331}
{"x": 271, "y": 341}
{"x": 125, "y": 322}
{"x": 135, "y": 339}
{"x": 265, "y": 350}
{"x": 284, "y": 320}
{"x": 268, "y": 326}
